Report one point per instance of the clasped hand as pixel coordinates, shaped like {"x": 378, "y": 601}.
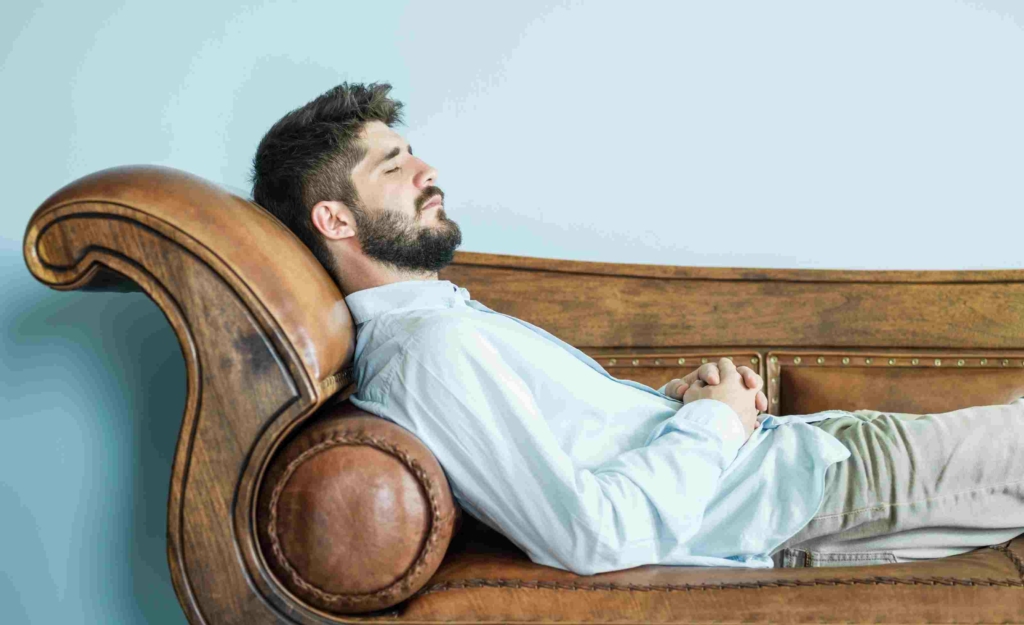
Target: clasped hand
{"x": 739, "y": 387}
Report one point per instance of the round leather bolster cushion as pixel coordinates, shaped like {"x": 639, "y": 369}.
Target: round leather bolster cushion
{"x": 354, "y": 513}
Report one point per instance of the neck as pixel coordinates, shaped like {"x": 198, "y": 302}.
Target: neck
{"x": 372, "y": 274}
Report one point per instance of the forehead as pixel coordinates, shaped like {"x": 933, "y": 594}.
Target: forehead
{"x": 379, "y": 139}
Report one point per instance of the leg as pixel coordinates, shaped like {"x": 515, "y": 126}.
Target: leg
{"x": 916, "y": 487}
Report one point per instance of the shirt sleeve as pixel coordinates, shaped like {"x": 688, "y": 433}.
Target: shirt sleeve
{"x": 465, "y": 400}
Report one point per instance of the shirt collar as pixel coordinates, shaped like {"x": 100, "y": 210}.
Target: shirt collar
{"x": 409, "y": 294}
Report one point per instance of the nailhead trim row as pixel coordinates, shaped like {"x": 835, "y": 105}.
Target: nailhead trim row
{"x": 630, "y": 360}
{"x": 915, "y": 362}
{"x": 778, "y": 360}
{"x": 674, "y": 361}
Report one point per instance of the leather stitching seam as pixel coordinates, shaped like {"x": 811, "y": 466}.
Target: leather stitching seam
{"x": 401, "y": 585}
{"x": 332, "y": 383}
{"x": 873, "y": 581}
{"x": 1007, "y": 550}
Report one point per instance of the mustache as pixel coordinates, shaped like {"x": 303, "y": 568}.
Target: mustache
{"x": 430, "y": 195}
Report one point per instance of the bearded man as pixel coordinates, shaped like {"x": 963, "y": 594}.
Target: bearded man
{"x": 586, "y": 472}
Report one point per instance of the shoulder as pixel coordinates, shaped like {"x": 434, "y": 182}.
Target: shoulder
{"x": 418, "y": 324}
{"x": 447, "y": 331}
{"x": 417, "y": 345}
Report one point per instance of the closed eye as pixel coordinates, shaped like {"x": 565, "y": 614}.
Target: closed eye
{"x": 391, "y": 170}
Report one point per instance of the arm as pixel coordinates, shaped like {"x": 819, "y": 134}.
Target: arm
{"x": 481, "y": 420}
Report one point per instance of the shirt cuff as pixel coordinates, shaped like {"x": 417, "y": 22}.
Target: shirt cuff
{"x": 718, "y": 417}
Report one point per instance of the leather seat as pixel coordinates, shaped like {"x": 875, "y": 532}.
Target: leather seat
{"x": 288, "y": 504}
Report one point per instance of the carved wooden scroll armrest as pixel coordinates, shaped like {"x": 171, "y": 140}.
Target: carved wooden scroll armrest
{"x": 266, "y": 339}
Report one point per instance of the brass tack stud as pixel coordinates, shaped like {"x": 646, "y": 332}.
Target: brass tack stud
{"x": 775, "y": 400}
{"x": 796, "y": 360}
{"x": 774, "y": 359}
{"x": 703, "y": 361}
{"x": 1005, "y": 362}
{"x": 753, "y": 361}
{"x": 984, "y": 361}
{"x": 612, "y": 361}
{"x": 892, "y": 361}
{"x": 960, "y": 362}
{"x": 846, "y": 361}
{"x": 821, "y": 360}
{"x": 914, "y": 361}
{"x": 657, "y": 361}
{"x": 635, "y": 362}
{"x": 867, "y": 361}
{"x": 938, "y": 362}
{"x": 681, "y": 361}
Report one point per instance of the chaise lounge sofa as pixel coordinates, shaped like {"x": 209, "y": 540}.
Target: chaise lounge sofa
{"x": 289, "y": 505}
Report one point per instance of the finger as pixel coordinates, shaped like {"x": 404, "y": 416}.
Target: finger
{"x": 692, "y": 392}
{"x": 748, "y": 375}
{"x": 751, "y": 378}
{"x": 758, "y": 380}
{"x": 709, "y": 373}
{"x": 702, "y": 373}
{"x": 761, "y": 402}
{"x": 679, "y": 387}
{"x": 691, "y": 376}
{"x": 726, "y": 368}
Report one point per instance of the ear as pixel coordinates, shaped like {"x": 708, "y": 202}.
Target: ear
{"x": 333, "y": 220}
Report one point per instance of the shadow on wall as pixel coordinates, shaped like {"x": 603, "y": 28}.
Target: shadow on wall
{"x": 92, "y": 390}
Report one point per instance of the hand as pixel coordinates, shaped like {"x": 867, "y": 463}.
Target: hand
{"x": 733, "y": 391}
{"x": 709, "y": 374}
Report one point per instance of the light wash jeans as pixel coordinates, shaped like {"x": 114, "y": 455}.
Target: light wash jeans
{"x": 916, "y": 487}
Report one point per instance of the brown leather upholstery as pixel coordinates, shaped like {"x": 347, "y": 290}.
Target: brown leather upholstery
{"x": 485, "y": 578}
{"x": 354, "y": 513}
{"x": 920, "y": 382}
{"x": 258, "y": 249}
{"x": 286, "y": 509}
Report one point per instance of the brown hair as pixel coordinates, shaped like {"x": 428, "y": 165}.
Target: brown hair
{"x": 308, "y": 157}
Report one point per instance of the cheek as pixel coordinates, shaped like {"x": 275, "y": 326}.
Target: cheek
{"x": 400, "y": 202}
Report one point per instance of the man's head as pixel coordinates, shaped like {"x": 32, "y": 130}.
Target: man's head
{"x": 337, "y": 174}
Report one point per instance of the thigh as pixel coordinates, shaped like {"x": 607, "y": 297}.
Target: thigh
{"x": 872, "y": 414}
{"x": 956, "y": 472}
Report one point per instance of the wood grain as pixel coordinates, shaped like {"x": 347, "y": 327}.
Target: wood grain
{"x": 265, "y": 351}
{"x": 590, "y": 309}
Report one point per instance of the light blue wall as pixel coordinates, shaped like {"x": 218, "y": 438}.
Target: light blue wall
{"x": 760, "y": 134}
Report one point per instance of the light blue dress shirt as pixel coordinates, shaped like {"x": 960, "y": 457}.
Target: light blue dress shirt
{"x": 583, "y": 471}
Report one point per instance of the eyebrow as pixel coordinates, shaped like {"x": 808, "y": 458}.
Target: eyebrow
{"x": 390, "y": 155}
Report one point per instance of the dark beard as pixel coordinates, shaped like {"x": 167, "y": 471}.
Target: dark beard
{"x": 402, "y": 243}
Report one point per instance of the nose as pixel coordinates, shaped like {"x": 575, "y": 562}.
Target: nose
{"x": 426, "y": 176}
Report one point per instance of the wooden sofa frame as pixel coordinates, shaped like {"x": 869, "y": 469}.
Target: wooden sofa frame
{"x": 264, "y": 356}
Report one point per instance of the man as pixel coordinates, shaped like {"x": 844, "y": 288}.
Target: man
{"x": 585, "y": 472}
